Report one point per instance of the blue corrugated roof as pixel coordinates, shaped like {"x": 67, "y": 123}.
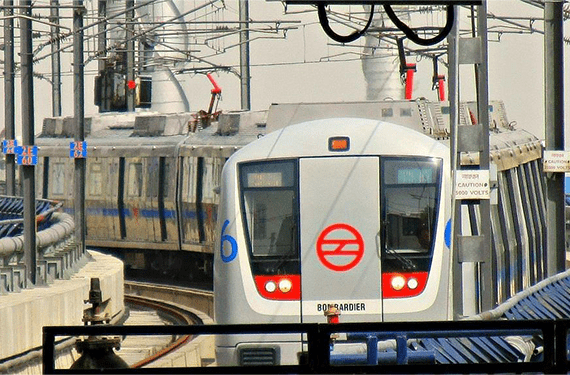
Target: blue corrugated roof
{"x": 13, "y": 207}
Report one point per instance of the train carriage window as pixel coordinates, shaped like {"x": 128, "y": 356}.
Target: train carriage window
{"x": 153, "y": 178}
{"x": 58, "y": 180}
{"x": 189, "y": 181}
{"x": 112, "y": 167}
{"x": 269, "y": 201}
{"x": 135, "y": 180}
{"x": 218, "y": 166}
{"x": 207, "y": 180}
{"x": 166, "y": 180}
{"x": 95, "y": 179}
{"x": 410, "y": 197}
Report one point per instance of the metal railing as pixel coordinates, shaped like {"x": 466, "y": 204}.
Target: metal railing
{"x": 57, "y": 253}
{"x": 320, "y": 354}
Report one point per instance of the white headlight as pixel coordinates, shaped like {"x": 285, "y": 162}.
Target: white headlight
{"x": 398, "y": 282}
{"x": 270, "y": 286}
{"x": 285, "y": 285}
{"x": 413, "y": 283}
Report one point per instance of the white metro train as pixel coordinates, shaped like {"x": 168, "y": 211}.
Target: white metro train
{"x": 355, "y": 214}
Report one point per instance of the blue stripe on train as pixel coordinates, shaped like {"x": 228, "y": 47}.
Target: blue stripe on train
{"x": 144, "y": 213}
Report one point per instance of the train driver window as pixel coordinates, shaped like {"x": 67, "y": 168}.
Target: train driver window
{"x": 269, "y": 202}
{"x": 410, "y": 189}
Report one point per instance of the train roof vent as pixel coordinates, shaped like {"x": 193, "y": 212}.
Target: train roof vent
{"x": 159, "y": 125}
{"x": 62, "y": 127}
{"x": 231, "y": 123}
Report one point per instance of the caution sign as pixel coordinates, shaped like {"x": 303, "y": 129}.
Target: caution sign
{"x": 556, "y": 161}
{"x": 340, "y": 247}
{"x": 472, "y": 184}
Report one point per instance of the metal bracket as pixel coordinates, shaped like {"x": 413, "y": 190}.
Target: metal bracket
{"x": 470, "y": 138}
{"x": 471, "y": 249}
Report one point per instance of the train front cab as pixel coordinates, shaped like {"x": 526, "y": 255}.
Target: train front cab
{"x": 360, "y": 233}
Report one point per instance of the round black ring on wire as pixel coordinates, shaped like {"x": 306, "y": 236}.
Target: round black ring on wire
{"x": 324, "y": 20}
{"x": 413, "y": 36}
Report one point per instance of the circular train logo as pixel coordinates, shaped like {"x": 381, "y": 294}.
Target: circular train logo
{"x": 340, "y": 247}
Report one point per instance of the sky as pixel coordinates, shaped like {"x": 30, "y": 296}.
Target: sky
{"x": 287, "y": 70}
{"x": 515, "y": 69}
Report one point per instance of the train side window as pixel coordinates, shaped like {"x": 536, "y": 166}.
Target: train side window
{"x": 153, "y": 179}
{"x": 166, "y": 180}
{"x": 207, "y": 176}
{"x": 95, "y": 179}
{"x": 58, "y": 180}
{"x": 216, "y": 180}
{"x": 269, "y": 201}
{"x": 135, "y": 180}
{"x": 189, "y": 181}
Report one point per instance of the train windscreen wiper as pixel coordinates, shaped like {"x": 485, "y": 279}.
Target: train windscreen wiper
{"x": 405, "y": 262}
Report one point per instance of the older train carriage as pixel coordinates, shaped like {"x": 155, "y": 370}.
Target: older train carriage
{"x": 150, "y": 187}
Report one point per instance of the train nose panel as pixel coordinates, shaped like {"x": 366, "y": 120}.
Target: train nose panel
{"x": 340, "y": 221}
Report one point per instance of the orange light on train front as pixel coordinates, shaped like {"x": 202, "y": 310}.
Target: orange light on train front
{"x": 339, "y": 144}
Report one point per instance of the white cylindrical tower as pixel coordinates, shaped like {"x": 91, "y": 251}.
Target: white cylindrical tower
{"x": 380, "y": 63}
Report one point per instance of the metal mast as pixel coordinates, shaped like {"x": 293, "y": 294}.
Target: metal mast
{"x": 554, "y": 128}
{"x": 244, "y": 55}
{"x": 9, "y": 96}
{"x": 79, "y": 118}
{"x": 28, "y": 171}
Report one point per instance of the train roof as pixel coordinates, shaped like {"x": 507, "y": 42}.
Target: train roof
{"x": 150, "y": 133}
{"x": 364, "y": 137}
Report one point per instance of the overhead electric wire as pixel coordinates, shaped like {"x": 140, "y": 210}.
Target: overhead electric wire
{"x": 413, "y": 36}
{"x": 323, "y": 19}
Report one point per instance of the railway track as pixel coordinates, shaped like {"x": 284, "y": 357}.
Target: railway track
{"x": 152, "y": 304}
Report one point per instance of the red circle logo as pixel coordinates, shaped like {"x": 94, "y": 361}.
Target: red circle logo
{"x": 340, "y": 247}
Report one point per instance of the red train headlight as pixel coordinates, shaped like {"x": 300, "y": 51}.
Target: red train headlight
{"x": 279, "y": 287}
{"x": 403, "y": 284}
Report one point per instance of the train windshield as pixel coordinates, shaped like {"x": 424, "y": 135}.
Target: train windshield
{"x": 269, "y": 203}
{"x": 409, "y": 208}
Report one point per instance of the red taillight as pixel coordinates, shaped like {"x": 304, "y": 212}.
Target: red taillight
{"x": 404, "y": 284}
{"x": 279, "y": 287}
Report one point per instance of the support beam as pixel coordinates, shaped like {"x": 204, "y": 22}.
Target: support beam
{"x": 55, "y": 59}
{"x": 79, "y": 117}
{"x": 454, "y": 99}
{"x": 245, "y": 77}
{"x": 130, "y": 45}
{"x": 9, "y": 94}
{"x": 28, "y": 171}
{"x": 554, "y": 132}
{"x": 487, "y": 268}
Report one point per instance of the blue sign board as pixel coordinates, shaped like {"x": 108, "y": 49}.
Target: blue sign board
{"x": 26, "y": 155}
{"x": 9, "y": 146}
{"x": 78, "y": 150}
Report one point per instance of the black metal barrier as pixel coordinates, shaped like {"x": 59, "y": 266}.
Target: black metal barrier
{"x": 552, "y": 335}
